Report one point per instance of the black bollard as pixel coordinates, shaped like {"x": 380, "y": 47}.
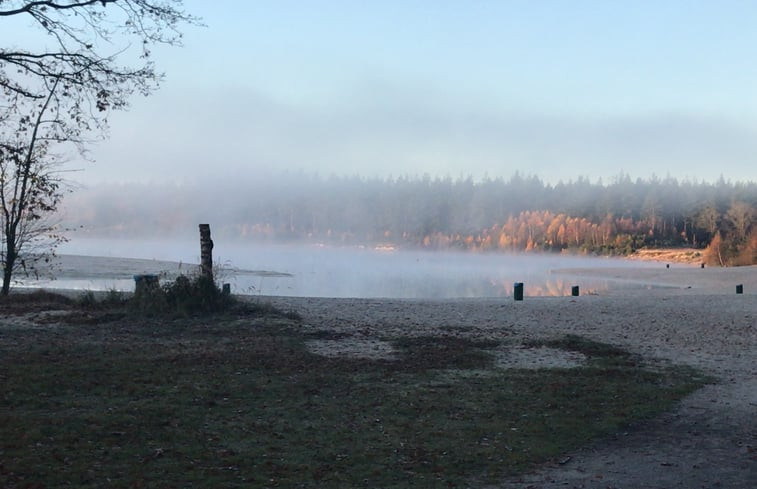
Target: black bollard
{"x": 574, "y": 291}
{"x": 740, "y": 289}
{"x": 667, "y": 266}
{"x": 145, "y": 286}
{"x": 518, "y": 291}
{"x": 702, "y": 265}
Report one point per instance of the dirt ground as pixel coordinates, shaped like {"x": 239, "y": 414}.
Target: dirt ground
{"x": 709, "y": 441}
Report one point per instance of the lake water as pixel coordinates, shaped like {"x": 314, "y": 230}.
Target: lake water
{"x": 324, "y": 271}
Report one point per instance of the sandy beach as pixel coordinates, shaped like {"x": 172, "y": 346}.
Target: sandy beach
{"x": 684, "y": 315}
{"x": 695, "y": 318}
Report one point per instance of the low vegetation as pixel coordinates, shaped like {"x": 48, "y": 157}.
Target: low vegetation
{"x": 238, "y": 400}
{"x": 183, "y": 296}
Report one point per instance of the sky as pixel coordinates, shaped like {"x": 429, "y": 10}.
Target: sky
{"x": 556, "y": 89}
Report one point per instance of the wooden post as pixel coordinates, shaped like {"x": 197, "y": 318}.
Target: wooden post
{"x": 518, "y": 291}
{"x": 206, "y": 252}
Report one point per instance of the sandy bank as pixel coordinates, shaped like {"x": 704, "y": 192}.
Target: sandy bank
{"x": 689, "y": 256}
{"x": 686, "y": 279}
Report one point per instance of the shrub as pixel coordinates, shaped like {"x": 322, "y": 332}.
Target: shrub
{"x": 184, "y": 296}
{"x": 101, "y": 300}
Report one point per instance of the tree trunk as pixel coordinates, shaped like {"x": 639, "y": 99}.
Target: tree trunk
{"x": 10, "y": 262}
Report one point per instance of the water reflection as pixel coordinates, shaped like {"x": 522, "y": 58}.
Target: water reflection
{"x": 338, "y": 272}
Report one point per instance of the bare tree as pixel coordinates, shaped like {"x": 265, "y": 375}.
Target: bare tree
{"x": 88, "y": 37}
{"x": 58, "y": 99}
{"x": 708, "y": 218}
{"x": 30, "y": 190}
{"x": 740, "y": 215}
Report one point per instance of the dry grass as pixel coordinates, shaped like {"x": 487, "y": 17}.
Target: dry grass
{"x": 237, "y": 400}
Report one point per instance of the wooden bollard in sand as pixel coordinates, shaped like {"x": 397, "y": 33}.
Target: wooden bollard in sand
{"x": 574, "y": 291}
{"x": 740, "y": 289}
{"x": 518, "y": 291}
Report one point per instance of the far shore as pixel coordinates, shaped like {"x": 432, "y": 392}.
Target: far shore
{"x": 691, "y": 256}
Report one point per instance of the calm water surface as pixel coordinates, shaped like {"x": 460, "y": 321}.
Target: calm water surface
{"x": 324, "y": 271}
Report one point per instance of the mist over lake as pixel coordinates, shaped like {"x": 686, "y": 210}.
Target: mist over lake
{"x": 327, "y": 271}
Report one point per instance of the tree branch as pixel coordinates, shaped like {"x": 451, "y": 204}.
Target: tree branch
{"x": 31, "y": 6}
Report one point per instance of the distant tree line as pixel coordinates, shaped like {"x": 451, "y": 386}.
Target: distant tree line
{"x": 519, "y": 214}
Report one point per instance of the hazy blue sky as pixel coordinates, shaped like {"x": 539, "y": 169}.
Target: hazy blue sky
{"x": 552, "y": 88}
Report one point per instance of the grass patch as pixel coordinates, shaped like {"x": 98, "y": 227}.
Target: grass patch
{"x": 437, "y": 352}
{"x": 597, "y": 353}
{"x": 239, "y": 402}
{"x": 108, "y": 300}
{"x": 23, "y": 302}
